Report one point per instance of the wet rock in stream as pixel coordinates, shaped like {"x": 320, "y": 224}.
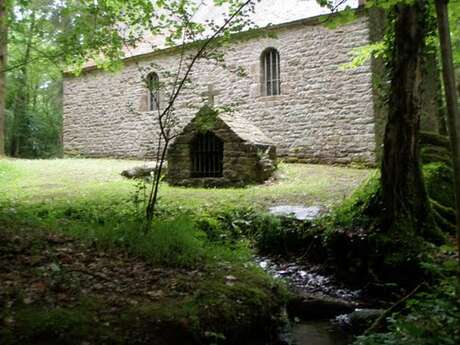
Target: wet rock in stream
{"x": 359, "y": 320}
{"x": 313, "y": 307}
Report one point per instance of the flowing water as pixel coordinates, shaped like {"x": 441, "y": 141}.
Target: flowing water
{"x": 306, "y": 278}
{"x": 300, "y": 279}
{"x": 318, "y": 333}
{"x": 310, "y": 280}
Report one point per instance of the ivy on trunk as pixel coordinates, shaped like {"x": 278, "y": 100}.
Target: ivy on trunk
{"x": 405, "y": 199}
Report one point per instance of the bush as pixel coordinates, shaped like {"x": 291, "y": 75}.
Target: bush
{"x": 174, "y": 242}
{"x": 439, "y": 181}
{"x": 269, "y": 234}
{"x": 359, "y": 250}
{"x": 362, "y": 209}
{"x": 432, "y": 318}
{"x": 232, "y": 224}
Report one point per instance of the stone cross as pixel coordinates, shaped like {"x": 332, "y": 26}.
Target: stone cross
{"x": 210, "y": 94}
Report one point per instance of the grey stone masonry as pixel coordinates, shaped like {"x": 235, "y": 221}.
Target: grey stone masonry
{"x": 323, "y": 114}
{"x": 248, "y": 156}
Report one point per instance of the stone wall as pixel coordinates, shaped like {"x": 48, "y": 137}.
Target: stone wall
{"x": 324, "y": 113}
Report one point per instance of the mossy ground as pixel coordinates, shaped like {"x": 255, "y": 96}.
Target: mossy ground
{"x": 59, "y": 290}
{"x": 204, "y": 231}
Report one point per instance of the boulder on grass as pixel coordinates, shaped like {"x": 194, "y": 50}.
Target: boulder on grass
{"x": 142, "y": 171}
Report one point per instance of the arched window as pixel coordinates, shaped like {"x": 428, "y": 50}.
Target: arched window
{"x": 207, "y": 154}
{"x": 153, "y": 85}
{"x": 270, "y": 68}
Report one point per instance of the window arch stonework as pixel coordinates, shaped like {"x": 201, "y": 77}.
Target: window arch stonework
{"x": 153, "y": 91}
{"x": 270, "y": 72}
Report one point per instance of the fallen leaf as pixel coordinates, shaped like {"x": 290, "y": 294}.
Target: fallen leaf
{"x": 28, "y": 300}
{"x": 157, "y": 293}
{"x": 39, "y": 286}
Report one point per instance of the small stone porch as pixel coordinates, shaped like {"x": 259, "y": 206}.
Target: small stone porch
{"x": 217, "y": 150}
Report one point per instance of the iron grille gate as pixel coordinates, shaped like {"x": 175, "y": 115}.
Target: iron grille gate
{"x": 207, "y": 152}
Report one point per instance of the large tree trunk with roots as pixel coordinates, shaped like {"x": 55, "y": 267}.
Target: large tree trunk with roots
{"x": 3, "y": 54}
{"x": 404, "y": 195}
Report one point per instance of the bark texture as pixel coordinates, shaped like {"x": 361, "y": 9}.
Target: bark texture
{"x": 405, "y": 198}
{"x": 3, "y": 55}
{"x": 453, "y": 122}
{"x": 21, "y": 124}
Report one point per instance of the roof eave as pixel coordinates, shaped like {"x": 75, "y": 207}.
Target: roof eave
{"x": 316, "y": 20}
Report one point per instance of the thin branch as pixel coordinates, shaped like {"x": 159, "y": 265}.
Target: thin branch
{"x": 179, "y": 69}
{"x": 334, "y": 10}
{"x": 376, "y": 324}
{"x": 36, "y": 59}
{"x": 167, "y": 111}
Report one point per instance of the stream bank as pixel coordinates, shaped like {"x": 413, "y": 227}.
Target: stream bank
{"x": 319, "y": 311}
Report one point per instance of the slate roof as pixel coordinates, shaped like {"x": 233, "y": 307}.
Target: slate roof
{"x": 274, "y": 12}
{"x": 267, "y": 13}
{"x": 246, "y": 130}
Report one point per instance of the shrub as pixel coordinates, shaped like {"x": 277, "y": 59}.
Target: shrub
{"x": 234, "y": 223}
{"x": 439, "y": 183}
{"x": 431, "y": 318}
{"x": 361, "y": 209}
{"x": 269, "y": 234}
{"x": 174, "y": 242}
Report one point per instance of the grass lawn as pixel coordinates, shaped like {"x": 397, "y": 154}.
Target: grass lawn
{"x": 70, "y": 180}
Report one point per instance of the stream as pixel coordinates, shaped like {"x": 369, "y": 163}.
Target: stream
{"x": 320, "y": 323}
{"x": 307, "y": 280}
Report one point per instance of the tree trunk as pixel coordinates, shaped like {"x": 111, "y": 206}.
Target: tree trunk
{"x": 3, "y": 55}
{"x": 441, "y": 111}
{"x": 453, "y": 122}
{"x": 404, "y": 195}
{"x": 21, "y": 123}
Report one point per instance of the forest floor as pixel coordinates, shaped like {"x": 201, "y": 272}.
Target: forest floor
{"x": 76, "y": 269}
{"x": 56, "y": 289}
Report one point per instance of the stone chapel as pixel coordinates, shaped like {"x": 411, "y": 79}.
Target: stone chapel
{"x": 295, "y": 93}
